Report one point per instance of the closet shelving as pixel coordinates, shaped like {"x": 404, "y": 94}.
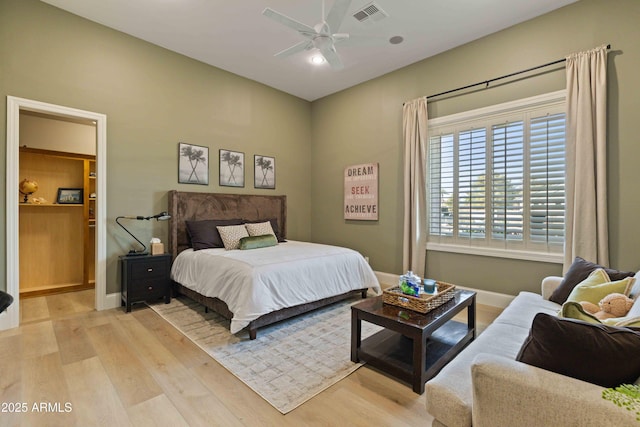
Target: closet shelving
{"x": 57, "y": 241}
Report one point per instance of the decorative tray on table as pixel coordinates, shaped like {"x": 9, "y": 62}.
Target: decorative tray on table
{"x": 422, "y": 303}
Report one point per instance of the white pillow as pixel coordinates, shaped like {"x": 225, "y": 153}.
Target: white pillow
{"x": 231, "y": 235}
{"x": 635, "y": 291}
{"x": 635, "y": 309}
{"x": 260, "y": 228}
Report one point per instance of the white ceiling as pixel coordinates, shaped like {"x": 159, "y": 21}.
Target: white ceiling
{"x": 234, "y": 35}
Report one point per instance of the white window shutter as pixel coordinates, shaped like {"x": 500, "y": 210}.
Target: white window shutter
{"x": 546, "y": 178}
{"x": 496, "y": 179}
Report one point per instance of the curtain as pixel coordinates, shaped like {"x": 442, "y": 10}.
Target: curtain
{"x": 414, "y": 129}
{"x": 586, "y": 180}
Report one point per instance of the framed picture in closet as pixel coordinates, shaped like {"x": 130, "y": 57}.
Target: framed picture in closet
{"x": 70, "y": 196}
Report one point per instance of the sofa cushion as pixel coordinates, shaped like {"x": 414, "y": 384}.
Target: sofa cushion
{"x": 597, "y": 286}
{"x": 521, "y": 310}
{"x": 449, "y": 394}
{"x": 507, "y": 393}
{"x": 580, "y": 270}
{"x": 598, "y": 354}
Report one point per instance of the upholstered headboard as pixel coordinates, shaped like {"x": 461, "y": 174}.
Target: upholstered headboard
{"x": 188, "y": 206}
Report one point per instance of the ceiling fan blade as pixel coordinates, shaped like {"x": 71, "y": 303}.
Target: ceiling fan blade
{"x": 299, "y": 47}
{"x": 340, "y": 36}
{"x": 285, "y": 20}
{"x": 332, "y": 58}
{"x": 337, "y": 13}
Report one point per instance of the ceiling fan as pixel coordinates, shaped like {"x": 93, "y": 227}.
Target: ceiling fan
{"x": 321, "y": 36}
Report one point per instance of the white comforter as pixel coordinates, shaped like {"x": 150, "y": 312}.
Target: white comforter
{"x": 259, "y": 281}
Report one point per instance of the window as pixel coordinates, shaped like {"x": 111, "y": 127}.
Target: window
{"x": 496, "y": 180}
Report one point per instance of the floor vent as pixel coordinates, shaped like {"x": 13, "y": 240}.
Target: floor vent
{"x": 370, "y": 13}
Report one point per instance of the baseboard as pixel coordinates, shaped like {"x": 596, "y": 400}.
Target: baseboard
{"x": 51, "y": 290}
{"x": 494, "y": 299}
{"x": 112, "y": 301}
{"x": 387, "y": 280}
{"x": 5, "y": 321}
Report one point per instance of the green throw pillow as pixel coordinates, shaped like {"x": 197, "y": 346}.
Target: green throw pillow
{"x": 597, "y": 286}
{"x": 254, "y": 242}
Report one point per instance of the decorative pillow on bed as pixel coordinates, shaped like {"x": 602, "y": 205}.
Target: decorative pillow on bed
{"x": 259, "y": 228}
{"x": 204, "y": 234}
{"x": 255, "y": 242}
{"x": 274, "y": 227}
{"x": 231, "y": 235}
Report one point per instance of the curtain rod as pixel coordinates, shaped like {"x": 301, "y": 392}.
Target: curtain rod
{"x": 487, "y": 82}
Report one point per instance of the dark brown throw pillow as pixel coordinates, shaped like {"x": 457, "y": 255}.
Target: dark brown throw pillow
{"x": 204, "y": 234}
{"x": 599, "y": 354}
{"x": 580, "y": 270}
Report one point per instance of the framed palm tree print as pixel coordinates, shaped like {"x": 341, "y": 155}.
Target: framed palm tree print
{"x": 231, "y": 168}
{"x": 264, "y": 175}
{"x": 193, "y": 164}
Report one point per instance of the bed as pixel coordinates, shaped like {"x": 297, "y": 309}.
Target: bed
{"x": 254, "y": 288}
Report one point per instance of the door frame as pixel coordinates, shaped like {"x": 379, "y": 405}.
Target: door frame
{"x": 11, "y": 318}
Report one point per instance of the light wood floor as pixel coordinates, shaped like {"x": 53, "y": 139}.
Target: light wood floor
{"x": 114, "y": 369}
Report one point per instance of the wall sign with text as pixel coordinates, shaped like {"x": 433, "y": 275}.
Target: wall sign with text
{"x": 361, "y": 192}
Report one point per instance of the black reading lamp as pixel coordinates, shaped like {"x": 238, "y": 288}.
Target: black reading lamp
{"x": 162, "y": 216}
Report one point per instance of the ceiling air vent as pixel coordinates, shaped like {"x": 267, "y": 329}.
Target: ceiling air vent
{"x": 370, "y": 13}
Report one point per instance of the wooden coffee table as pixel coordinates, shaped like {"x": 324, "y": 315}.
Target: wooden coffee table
{"x": 413, "y": 347}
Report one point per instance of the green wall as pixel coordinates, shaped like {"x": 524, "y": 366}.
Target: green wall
{"x": 153, "y": 99}
{"x": 363, "y": 124}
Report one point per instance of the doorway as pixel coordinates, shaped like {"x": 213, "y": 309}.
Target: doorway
{"x": 14, "y": 107}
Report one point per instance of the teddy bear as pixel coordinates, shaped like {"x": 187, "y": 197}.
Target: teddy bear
{"x": 612, "y": 305}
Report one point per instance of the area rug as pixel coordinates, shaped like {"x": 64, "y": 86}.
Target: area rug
{"x": 289, "y": 362}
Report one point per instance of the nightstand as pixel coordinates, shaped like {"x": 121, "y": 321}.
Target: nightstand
{"x": 145, "y": 277}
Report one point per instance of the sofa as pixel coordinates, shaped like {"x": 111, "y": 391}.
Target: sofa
{"x": 485, "y": 386}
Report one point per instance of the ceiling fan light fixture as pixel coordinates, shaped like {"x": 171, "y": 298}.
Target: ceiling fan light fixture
{"x": 317, "y": 59}
{"x": 321, "y": 37}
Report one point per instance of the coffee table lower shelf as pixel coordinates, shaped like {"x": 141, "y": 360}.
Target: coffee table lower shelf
{"x": 392, "y": 352}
